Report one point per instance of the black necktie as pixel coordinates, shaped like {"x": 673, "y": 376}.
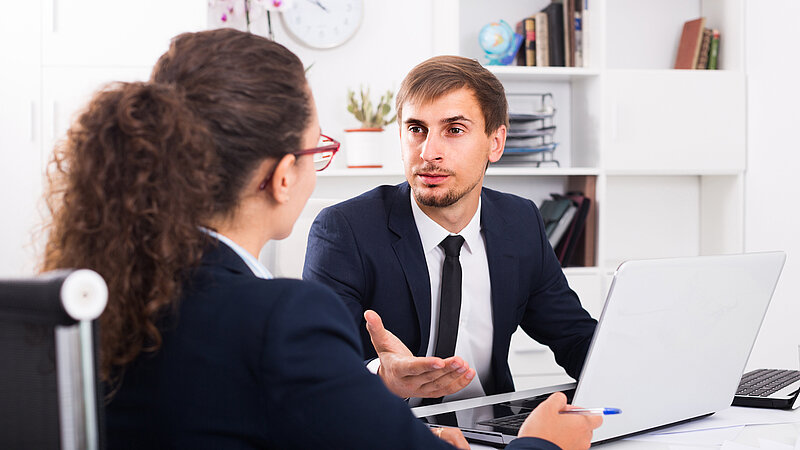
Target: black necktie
{"x": 450, "y": 299}
{"x": 449, "y": 305}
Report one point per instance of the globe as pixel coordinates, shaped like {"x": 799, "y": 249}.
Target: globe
{"x": 497, "y": 40}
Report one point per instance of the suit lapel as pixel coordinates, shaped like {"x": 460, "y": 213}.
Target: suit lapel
{"x": 408, "y": 248}
{"x": 218, "y": 254}
{"x": 503, "y": 270}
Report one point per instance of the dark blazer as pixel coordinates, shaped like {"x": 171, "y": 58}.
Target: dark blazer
{"x": 369, "y": 251}
{"x": 248, "y": 363}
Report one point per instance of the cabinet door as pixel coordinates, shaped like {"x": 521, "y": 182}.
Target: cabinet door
{"x": 20, "y": 137}
{"x": 115, "y": 33}
{"x": 675, "y": 120}
{"x": 66, "y": 91}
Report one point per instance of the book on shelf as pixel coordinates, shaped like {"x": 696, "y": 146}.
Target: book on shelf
{"x": 585, "y": 34}
{"x": 705, "y": 46}
{"x": 689, "y": 45}
{"x": 542, "y": 38}
{"x": 520, "y": 30}
{"x": 713, "y": 51}
{"x": 578, "y": 33}
{"x": 556, "y": 36}
{"x": 569, "y": 242}
{"x": 568, "y": 8}
{"x": 563, "y": 225}
{"x": 557, "y": 213}
{"x": 530, "y": 41}
{"x": 555, "y": 27}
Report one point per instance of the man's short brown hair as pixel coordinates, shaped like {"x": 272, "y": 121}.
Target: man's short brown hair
{"x": 441, "y": 75}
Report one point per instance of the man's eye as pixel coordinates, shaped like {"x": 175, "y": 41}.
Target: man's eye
{"x": 415, "y": 129}
{"x": 456, "y": 130}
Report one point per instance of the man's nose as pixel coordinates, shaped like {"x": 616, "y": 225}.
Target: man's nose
{"x": 432, "y": 149}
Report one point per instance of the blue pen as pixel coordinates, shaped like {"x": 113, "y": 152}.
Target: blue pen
{"x": 592, "y": 411}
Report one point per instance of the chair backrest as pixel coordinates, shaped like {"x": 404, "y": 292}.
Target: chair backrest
{"x": 49, "y": 393}
{"x": 285, "y": 258}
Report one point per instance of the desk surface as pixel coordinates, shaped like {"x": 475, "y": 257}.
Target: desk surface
{"x": 749, "y": 435}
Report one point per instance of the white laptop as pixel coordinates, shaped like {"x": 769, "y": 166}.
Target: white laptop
{"x": 671, "y": 345}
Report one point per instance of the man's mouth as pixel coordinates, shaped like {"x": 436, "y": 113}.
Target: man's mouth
{"x": 430, "y": 178}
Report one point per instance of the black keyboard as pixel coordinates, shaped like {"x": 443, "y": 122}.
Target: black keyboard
{"x": 761, "y": 388}
{"x": 507, "y": 424}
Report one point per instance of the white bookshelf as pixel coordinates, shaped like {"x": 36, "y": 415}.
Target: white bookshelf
{"x": 666, "y": 147}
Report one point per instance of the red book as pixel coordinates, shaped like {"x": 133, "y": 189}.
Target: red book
{"x": 689, "y": 46}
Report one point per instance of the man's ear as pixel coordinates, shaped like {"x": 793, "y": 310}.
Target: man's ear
{"x": 283, "y": 179}
{"x": 498, "y": 143}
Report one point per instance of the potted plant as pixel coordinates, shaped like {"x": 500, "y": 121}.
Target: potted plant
{"x": 363, "y": 146}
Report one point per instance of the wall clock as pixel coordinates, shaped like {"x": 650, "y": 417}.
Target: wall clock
{"x": 323, "y": 23}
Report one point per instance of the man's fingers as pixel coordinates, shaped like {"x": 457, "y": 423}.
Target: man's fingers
{"x": 417, "y": 366}
{"x": 447, "y": 384}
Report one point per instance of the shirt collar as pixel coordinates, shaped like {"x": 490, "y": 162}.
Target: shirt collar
{"x": 253, "y": 264}
{"x": 431, "y": 233}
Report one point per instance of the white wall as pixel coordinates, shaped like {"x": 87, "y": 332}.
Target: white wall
{"x": 397, "y": 35}
{"x": 772, "y": 191}
{"x": 393, "y": 37}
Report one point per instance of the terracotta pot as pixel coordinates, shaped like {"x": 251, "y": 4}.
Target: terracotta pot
{"x": 363, "y": 147}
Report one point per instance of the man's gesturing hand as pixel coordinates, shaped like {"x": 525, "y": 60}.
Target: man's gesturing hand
{"x": 409, "y": 376}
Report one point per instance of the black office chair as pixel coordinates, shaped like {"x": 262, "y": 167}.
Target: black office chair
{"x": 49, "y": 394}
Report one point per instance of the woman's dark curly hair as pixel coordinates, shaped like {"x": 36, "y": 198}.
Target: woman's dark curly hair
{"x": 147, "y": 164}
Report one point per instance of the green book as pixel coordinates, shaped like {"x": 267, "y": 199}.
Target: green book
{"x": 713, "y": 52}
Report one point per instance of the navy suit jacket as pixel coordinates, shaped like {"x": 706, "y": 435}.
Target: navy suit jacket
{"x": 368, "y": 250}
{"x": 249, "y": 363}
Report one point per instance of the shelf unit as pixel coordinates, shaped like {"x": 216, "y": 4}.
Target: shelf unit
{"x": 662, "y": 151}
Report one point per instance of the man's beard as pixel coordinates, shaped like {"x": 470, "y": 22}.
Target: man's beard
{"x": 449, "y": 198}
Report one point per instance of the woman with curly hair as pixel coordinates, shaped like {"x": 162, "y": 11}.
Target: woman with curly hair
{"x": 169, "y": 189}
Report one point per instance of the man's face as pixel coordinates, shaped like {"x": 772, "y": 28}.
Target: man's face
{"x": 445, "y": 148}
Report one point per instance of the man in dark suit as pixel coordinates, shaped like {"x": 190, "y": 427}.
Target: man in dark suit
{"x": 450, "y": 267}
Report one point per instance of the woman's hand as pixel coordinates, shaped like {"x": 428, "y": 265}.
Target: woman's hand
{"x": 452, "y": 436}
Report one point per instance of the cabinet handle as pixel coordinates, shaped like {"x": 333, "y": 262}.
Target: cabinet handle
{"x": 55, "y": 120}
{"x": 33, "y": 121}
{"x": 614, "y": 120}
{"x": 54, "y": 14}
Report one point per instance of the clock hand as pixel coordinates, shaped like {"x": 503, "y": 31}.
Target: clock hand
{"x": 317, "y": 2}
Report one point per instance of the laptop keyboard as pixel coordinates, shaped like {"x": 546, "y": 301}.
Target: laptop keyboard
{"x": 510, "y": 423}
{"x": 764, "y": 382}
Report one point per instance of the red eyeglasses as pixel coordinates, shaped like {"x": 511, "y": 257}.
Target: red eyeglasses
{"x": 323, "y": 155}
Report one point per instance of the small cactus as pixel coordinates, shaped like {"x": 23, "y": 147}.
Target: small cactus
{"x": 363, "y": 110}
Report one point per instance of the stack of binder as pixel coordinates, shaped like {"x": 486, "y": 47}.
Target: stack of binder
{"x": 531, "y": 131}
{"x": 564, "y": 219}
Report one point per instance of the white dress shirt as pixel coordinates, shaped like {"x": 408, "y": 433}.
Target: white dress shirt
{"x": 475, "y": 326}
{"x": 255, "y": 265}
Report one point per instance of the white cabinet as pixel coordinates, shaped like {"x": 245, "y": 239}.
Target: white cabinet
{"x": 674, "y": 120}
{"x": 114, "y": 32}
{"x": 66, "y": 91}
{"x": 20, "y": 172}
{"x": 56, "y": 53}
{"x": 20, "y": 137}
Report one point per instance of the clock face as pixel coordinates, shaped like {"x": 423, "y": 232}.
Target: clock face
{"x": 323, "y": 23}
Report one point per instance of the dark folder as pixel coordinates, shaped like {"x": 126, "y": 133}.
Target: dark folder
{"x": 566, "y": 249}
